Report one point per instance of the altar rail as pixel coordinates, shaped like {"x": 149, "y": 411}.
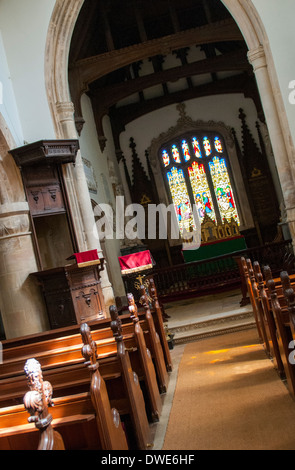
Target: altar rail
{"x": 219, "y": 273}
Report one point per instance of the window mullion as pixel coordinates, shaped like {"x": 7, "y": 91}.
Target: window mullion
{"x": 212, "y": 191}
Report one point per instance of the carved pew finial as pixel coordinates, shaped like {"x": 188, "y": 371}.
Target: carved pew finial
{"x": 285, "y": 280}
{"x": 89, "y": 347}
{"x": 36, "y": 402}
{"x": 258, "y": 275}
{"x": 267, "y": 273}
{"x": 153, "y": 289}
{"x": 39, "y": 398}
{"x": 144, "y": 300}
{"x": 132, "y": 307}
{"x": 250, "y": 269}
{"x": 116, "y": 324}
{"x": 257, "y": 270}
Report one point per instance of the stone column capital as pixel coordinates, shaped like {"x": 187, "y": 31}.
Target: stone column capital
{"x": 257, "y": 58}
{"x": 65, "y": 110}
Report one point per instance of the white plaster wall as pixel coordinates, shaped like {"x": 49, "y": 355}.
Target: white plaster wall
{"x": 223, "y": 108}
{"x": 8, "y": 106}
{"x": 278, "y": 21}
{"x": 23, "y": 26}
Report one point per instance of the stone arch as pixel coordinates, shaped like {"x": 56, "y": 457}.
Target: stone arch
{"x": 62, "y": 23}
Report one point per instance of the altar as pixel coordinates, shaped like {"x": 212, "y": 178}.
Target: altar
{"x": 215, "y": 248}
{"x": 216, "y": 240}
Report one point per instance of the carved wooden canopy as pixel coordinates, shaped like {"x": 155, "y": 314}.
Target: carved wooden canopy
{"x": 46, "y": 151}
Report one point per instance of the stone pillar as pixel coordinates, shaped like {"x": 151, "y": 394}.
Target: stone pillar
{"x": 80, "y": 202}
{"x": 286, "y": 169}
{"x": 22, "y": 308}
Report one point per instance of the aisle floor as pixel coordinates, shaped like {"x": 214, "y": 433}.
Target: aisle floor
{"x": 186, "y": 315}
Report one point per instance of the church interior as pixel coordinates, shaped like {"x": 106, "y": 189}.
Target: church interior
{"x": 147, "y": 224}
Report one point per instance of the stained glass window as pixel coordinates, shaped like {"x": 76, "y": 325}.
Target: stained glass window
{"x": 180, "y": 199}
{"x": 198, "y": 182}
{"x": 201, "y": 191}
{"x": 166, "y": 158}
{"x": 185, "y": 149}
{"x": 196, "y": 147}
{"x": 223, "y": 189}
{"x": 218, "y": 145}
{"x": 175, "y": 154}
{"x": 207, "y": 146}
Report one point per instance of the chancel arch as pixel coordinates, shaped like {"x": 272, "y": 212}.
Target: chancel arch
{"x": 60, "y": 32}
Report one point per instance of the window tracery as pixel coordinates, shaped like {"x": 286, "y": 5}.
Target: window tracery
{"x": 197, "y": 171}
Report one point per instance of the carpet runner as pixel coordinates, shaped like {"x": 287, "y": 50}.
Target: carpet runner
{"x": 228, "y": 396}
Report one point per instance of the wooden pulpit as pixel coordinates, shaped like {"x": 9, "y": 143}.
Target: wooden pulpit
{"x": 73, "y": 293}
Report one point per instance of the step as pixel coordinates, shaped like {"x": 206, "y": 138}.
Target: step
{"x": 211, "y": 326}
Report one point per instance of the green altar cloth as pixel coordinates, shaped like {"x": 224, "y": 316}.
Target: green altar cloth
{"x": 215, "y": 248}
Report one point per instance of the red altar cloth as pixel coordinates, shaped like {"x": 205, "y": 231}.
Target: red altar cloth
{"x": 136, "y": 262}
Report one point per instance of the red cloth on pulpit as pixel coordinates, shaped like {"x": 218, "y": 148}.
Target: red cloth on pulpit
{"x": 86, "y": 256}
{"x": 136, "y": 262}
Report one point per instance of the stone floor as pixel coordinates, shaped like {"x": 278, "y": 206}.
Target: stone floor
{"x": 193, "y": 320}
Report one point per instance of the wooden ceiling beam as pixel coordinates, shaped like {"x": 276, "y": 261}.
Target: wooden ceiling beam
{"x": 110, "y": 95}
{"x": 120, "y": 117}
{"x": 85, "y": 71}
{"x": 235, "y": 84}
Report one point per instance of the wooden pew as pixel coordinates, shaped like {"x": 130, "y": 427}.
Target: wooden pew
{"x": 256, "y": 302}
{"x": 289, "y": 294}
{"x": 146, "y": 361}
{"x": 70, "y": 414}
{"x": 282, "y": 320}
{"x": 159, "y": 326}
{"x": 131, "y": 382}
{"x": 67, "y": 349}
{"x": 269, "y": 321}
{"x": 64, "y": 368}
{"x": 157, "y": 314}
{"x": 109, "y": 425}
{"x": 251, "y": 296}
{"x": 155, "y": 344}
